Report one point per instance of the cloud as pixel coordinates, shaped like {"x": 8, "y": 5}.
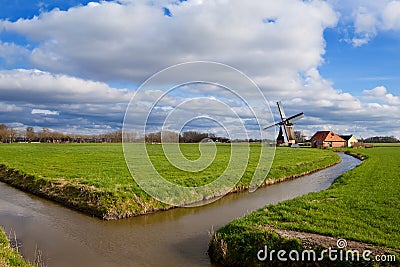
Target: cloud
{"x": 380, "y": 93}
{"x": 391, "y": 16}
{"x": 45, "y": 112}
{"x": 376, "y": 92}
{"x": 132, "y": 40}
{"x": 13, "y": 54}
{"x": 39, "y": 87}
{"x": 365, "y": 25}
{"x": 4, "y": 107}
{"x": 66, "y": 102}
{"x": 368, "y": 18}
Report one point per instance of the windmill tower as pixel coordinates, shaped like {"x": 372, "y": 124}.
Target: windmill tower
{"x": 286, "y": 132}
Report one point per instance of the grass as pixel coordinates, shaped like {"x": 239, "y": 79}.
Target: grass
{"x": 385, "y": 144}
{"x": 8, "y": 256}
{"x": 95, "y": 179}
{"x": 361, "y": 205}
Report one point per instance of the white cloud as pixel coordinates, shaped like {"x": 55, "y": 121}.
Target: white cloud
{"x": 376, "y": 92}
{"x": 13, "y": 54}
{"x": 130, "y": 41}
{"x": 34, "y": 86}
{"x": 391, "y": 16}
{"x": 4, "y": 107}
{"x": 369, "y": 17}
{"x": 45, "y": 112}
{"x": 365, "y": 24}
{"x": 380, "y": 93}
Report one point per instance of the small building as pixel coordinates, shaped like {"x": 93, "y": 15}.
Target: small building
{"x": 327, "y": 139}
{"x": 350, "y": 139}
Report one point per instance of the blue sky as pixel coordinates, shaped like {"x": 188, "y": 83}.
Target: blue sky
{"x": 357, "y": 68}
{"x": 73, "y": 66}
{"x": 26, "y": 9}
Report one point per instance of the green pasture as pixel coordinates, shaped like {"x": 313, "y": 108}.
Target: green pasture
{"x": 361, "y": 205}
{"x": 103, "y": 165}
{"x": 94, "y": 178}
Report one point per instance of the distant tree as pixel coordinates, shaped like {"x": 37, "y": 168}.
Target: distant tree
{"x": 170, "y": 137}
{"x": 3, "y": 133}
{"x": 153, "y": 137}
{"x": 44, "y": 135}
{"x": 56, "y": 137}
{"x": 7, "y": 135}
{"x": 132, "y": 137}
{"x": 381, "y": 139}
{"x": 193, "y": 137}
{"x": 30, "y": 134}
{"x": 117, "y": 136}
{"x": 12, "y": 135}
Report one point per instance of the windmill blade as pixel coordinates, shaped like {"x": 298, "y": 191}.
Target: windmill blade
{"x": 286, "y": 133}
{"x": 273, "y": 125}
{"x": 281, "y": 111}
{"x": 295, "y": 117}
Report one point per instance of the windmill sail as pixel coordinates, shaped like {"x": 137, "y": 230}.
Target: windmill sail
{"x": 281, "y": 111}
{"x": 295, "y": 117}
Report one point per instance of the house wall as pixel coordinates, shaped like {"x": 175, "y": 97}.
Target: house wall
{"x": 352, "y": 141}
{"x": 326, "y": 144}
{"x": 335, "y": 144}
{"x": 316, "y": 143}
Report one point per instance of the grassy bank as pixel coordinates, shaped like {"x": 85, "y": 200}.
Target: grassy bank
{"x": 8, "y": 256}
{"x": 94, "y": 178}
{"x": 361, "y": 205}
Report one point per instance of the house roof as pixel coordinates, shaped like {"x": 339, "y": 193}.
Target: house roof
{"x": 327, "y": 136}
{"x": 347, "y": 137}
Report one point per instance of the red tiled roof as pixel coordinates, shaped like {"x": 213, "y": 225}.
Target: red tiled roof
{"x": 327, "y": 136}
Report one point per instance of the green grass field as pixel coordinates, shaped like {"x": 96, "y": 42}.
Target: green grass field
{"x": 361, "y": 205}
{"x": 95, "y": 177}
{"x": 386, "y": 144}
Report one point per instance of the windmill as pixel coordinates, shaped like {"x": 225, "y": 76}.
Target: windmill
{"x": 285, "y": 126}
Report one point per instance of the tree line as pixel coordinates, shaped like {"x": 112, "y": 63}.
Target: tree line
{"x": 45, "y": 135}
{"x": 174, "y": 137}
{"x": 381, "y": 139}
{"x": 10, "y": 135}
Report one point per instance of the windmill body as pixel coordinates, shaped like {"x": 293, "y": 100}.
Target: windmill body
{"x": 286, "y": 132}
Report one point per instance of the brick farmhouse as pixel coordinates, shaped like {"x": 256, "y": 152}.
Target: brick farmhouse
{"x": 327, "y": 139}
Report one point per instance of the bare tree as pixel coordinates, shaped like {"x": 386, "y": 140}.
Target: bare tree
{"x": 193, "y": 137}
{"x": 3, "y": 133}
{"x": 170, "y": 137}
{"x": 12, "y": 135}
{"x": 44, "y": 135}
{"x": 30, "y": 134}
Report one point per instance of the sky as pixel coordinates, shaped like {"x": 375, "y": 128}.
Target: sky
{"x": 74, "y": 66}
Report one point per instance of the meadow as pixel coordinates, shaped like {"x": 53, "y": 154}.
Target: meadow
{"x": 361, "y": 205}
{"x": 94, "y": 178}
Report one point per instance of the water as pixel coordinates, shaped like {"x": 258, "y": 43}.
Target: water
{"x": 177, "y": 237}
